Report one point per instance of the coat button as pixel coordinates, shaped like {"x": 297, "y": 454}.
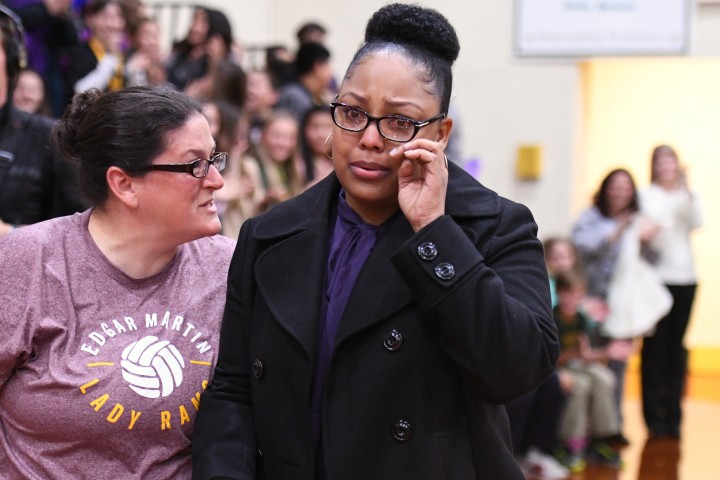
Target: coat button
{"x": 445, "y": 271}
{"x": 393, "y": 341}
{"x": 402, "y": 431}
{"x": 258, "y": 368}
{"x": 427, "y": 251}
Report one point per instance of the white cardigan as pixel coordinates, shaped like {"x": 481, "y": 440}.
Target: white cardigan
{"x": 677, "y": 212}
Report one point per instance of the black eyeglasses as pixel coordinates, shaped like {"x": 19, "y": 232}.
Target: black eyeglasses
{"x": 197, "y": 168}
{"x": 393, "y": 127}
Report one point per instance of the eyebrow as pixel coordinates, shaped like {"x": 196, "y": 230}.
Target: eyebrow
{"x": 391, "y": 103}
{"x": 201, "y": 153}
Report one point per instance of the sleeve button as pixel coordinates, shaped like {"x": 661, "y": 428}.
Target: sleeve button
{"x": 445, "y": 271}
{"x": 427, "y": 251}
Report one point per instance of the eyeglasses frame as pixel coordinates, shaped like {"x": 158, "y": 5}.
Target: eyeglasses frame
{"x": 184, "y": 167}
{"x": 370, "y": 118}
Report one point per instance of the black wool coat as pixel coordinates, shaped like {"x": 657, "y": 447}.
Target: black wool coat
{"x": 434, "y": 339}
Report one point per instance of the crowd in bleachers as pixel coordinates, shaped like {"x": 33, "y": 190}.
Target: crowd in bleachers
{"x": 272, "y": 120}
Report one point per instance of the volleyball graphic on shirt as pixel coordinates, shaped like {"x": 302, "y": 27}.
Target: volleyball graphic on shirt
{"x": 152, "y": 367}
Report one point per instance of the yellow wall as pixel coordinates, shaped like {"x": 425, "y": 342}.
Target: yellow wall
{"x": 630, "y": 106}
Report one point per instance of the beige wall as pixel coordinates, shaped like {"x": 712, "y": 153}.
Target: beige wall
{"x": 504, "y": 102}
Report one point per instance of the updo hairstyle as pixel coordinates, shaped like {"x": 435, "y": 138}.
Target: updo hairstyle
{"x": 127, "y": 128}
{"x": 423, "y": 35}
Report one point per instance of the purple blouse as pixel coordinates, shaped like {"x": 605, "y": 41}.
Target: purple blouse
{"x": 352, "y": 240}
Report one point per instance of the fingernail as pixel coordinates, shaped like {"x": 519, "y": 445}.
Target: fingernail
{"x": 394, "y": 151}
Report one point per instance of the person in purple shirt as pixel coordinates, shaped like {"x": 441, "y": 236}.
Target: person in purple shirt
{"x": 376, "y": 323}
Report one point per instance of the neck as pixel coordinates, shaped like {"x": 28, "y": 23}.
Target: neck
{"x": 129, "y": 248}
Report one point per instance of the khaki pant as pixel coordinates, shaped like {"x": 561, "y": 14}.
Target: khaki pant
{"x": 590, "y": 410}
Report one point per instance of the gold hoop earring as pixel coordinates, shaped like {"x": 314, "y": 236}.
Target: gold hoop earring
{"x": 325, "y": 147}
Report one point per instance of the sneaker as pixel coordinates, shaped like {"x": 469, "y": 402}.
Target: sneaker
{"x": 618, "y": 439}
{"x": 573, "y": 461}
{"x": 541, "y": 466}
{"x": 600, "y": 453}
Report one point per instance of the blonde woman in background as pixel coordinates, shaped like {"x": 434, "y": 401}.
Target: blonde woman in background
{"x": 670, "y": 203}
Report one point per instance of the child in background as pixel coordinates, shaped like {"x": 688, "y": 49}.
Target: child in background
{"x": 590, "y": 418}
{"x": 560, "y": 256}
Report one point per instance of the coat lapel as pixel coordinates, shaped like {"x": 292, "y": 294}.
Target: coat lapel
{"x": 290, "y": 272}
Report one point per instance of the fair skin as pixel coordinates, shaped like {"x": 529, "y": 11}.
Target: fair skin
{"x": 381, "y": 176}
{"x": 108, "y": 26}
{"x": 561, "y": 258}
{"x": 317, "y": 129}
{"x": 29, "y": 92}
{"x": 668, "y": 173}
{"x": 260, "y": 94}
{"x": 146, "y": 217}
{"x": 57, "y": 8}
{"x": 3, "y": 74}
{"x": 280, "y": 138}
{"x": 148, "y": 55}
{"x": 619, "y": 194}
{"x": 198, "y": 31}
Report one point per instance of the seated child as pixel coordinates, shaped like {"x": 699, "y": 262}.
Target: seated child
{"x": 590, "y": 417}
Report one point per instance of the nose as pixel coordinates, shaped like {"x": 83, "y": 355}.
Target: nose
{"x": 213, "y": 179}
{"x": 371, "y": 138}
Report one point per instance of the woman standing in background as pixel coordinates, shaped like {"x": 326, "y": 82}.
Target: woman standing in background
{"x": 676, "y": 210}
{"x": 598, "y": 235}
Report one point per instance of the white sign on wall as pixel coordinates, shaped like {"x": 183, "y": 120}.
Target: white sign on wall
{"x": 601, "y": 27}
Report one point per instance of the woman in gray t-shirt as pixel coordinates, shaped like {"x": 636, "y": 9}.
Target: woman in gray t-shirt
{"x": 110, "y": 317}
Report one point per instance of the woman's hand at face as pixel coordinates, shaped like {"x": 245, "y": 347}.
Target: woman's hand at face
{"x": 422, "y": 181}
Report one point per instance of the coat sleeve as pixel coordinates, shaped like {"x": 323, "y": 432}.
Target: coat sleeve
{"x": 488, "y": 300}
{"x": 224, "y": 443}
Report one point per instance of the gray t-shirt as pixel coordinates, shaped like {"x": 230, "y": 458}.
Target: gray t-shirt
{"x": 101, "y": 374}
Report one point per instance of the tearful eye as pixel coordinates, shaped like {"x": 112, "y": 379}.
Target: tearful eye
{"x": 353, "y": 114}
{"x": 399, "y": 123}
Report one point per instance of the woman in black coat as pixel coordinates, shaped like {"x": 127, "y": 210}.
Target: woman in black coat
{"x": 376, "y": 323}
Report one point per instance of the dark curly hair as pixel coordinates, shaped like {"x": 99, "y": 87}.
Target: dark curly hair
{"x": 424, "y": 36}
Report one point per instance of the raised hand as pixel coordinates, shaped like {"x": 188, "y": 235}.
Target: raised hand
{"x": 422, "y": 181}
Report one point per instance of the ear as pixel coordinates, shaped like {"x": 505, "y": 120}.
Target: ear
{"x": 122, "y": 186}
{"x": 443, "y": 136}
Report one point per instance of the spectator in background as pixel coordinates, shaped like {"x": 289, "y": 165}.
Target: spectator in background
{"x": 146, "y": 60}
{"x": 262, "y": 95}
{"x": 597, "y": 235}
{"x": 208, "y": 40}
{"x": 243, "y": 192}
{"x": 590, "y": 418}
{"x": 311, "y": 87}
{"x": 218, "y": 50}
{"x": 315, "y": 129}
{"x": 99, "y": 62}
{"x": 36, "y": 183}
{"x": 29, "y": 95}
{"x": 279, "y": 64}
{"x": 311, "y": 32}
{"x": 229, "y": 84}
{"x": 278, "y": 158}
{"x": 676, "y": 209}
{"x": 50, "y": 27}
